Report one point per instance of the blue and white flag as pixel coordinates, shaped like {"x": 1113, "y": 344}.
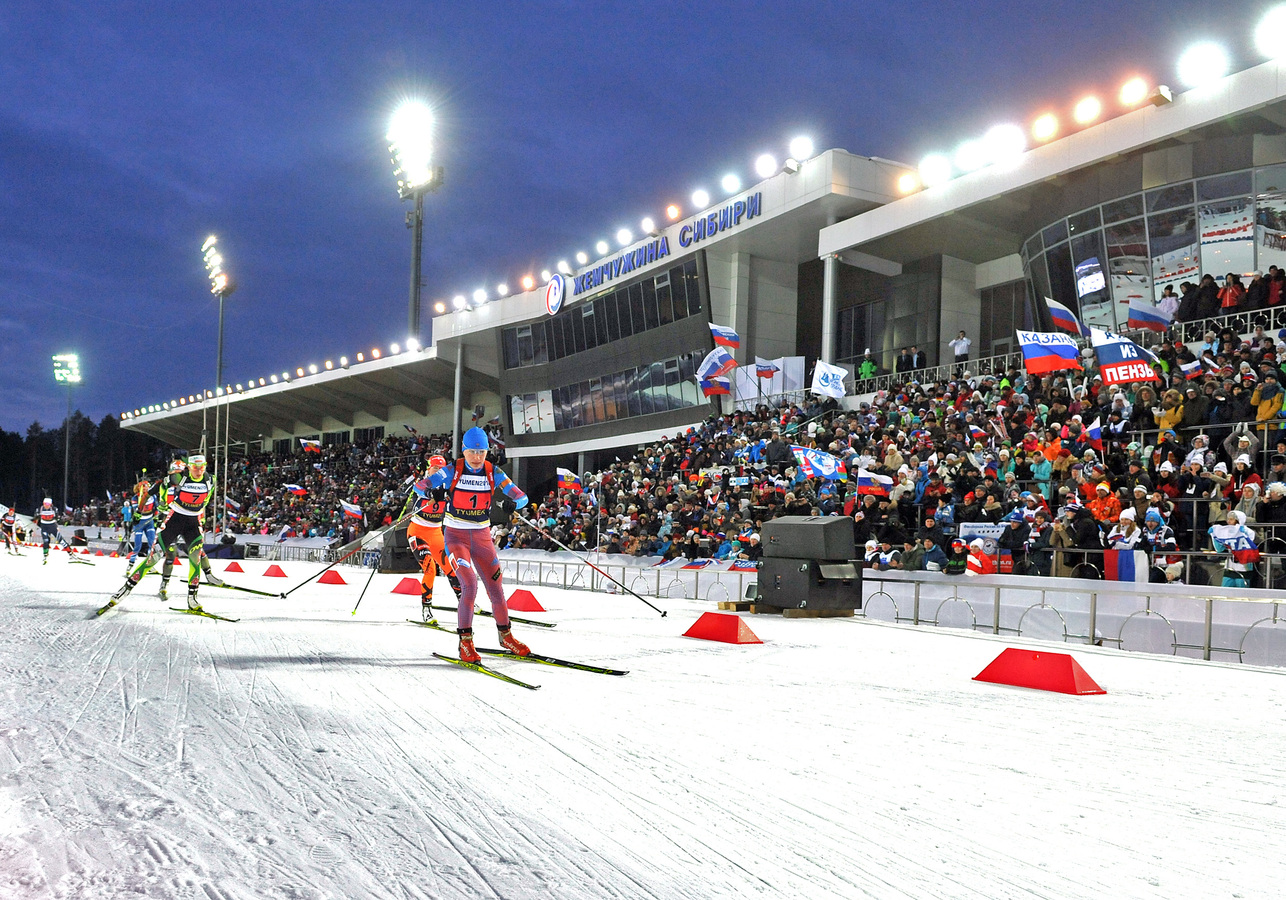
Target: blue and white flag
{"x": 718, "y": 362}
{"x": 817, "y": 464}
{"x": 828, "y": 380}
{"x": 1120, "y": 360}
{"x": 724, "y": 336}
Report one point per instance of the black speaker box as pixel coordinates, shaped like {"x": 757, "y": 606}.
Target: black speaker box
{"x": 808, "y": 537}
{"x": 810, "y": 584}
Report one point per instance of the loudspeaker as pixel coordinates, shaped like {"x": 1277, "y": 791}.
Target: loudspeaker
{"x": 810, "y": 584}
{"x": 398, "y": 560}
{"x": 808, "y": 537}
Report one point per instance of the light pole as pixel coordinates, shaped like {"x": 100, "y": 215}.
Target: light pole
{"x": 221, "y": 285}
{"x": 67, "y": 371}
{"x": 410, "y": 137}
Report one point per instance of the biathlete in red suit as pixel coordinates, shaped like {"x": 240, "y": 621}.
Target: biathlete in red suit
{"x": 469, "y": 484}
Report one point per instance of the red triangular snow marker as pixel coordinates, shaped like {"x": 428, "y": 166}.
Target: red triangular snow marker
{"x": 1040, "y": 670}
{"x": 524, "y": 600}
{"x": 330, "y": 576}
{"x": 234, "y": 567}
{"x": 100, "y": 552}
{"x": 723, "y": 627}
{"x": 408, "y": 586}
{"x": 274, "y": 571}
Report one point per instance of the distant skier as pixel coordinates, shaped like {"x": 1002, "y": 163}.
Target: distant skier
{"x": 424, "y": 534}
{"x": 469, "y": 484}
{"x": 189, "y": 492}
{"x": 144, "y": 518}
{"x": 47, "y": 518}
{"x": 9, "y": 530}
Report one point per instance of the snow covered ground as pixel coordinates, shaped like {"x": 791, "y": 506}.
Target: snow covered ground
{"x": 308, "y": 753}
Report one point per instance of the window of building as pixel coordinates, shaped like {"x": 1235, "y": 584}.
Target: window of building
{"x": 330, "y": 438}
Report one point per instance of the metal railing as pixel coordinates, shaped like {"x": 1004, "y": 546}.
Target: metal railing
{"x": 648, "y": 581}
{"x": 932, "y": 374}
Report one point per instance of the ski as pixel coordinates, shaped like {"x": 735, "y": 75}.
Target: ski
{"x": 431, "y": 625}
{"x": 519, "y": 619}
{"x": 104, "y": 608}
{"x": 554, "y": 661}
{"x": 202, "y": 612}
{"x": 237, "y": 587}
{"x": 478, "y": 667}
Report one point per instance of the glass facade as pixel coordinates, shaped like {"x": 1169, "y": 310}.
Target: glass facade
{"x": 658, "y": 387}
{"x": 1096, "y": 260}
{"x": 605, "y": 318}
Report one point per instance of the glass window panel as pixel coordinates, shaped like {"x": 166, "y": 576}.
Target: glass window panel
{"x": 1082, "y": 222}
{"x": 1270, "y": 180}
{"x": 515, "y": 416}
{"x": 1170, "y": 197}
{"x": 1062, "y": 277}
{"x": 632, "y": 392}
{"x": 608, "y": 312}
{"x": 636, "y": 308}
{"x": 659, "y": 402}
{"x": 1128, "y": 272}
{"x": 1270, "y": 217}
{"x": 650, "y": 317}
{"x": 540, "y": 348}
{"x": 693, "y": 289}
{"x": 691, "y": 393}
{"x": 524, "y": 345}
{"x": 666, "y": 308}
{"x": 1091, "y": 281}
{"x": 597, "y": 412}
{"x": 1034, "y": 246}
{"x": 678, "y": 287}
{"x": 1227, "y": 237}
{"x": 1221, "y": 186}
{"x": 623, "y": 395}
{"x": 674, "y": 393}
{"x": 622, "y": 300}
{"x": 1125, "y": 208}
{"x": 600, "y": 321}
{"x": 643, "y": 381}
{"x": 509, "y": 341}
{"x": 578, "y": 330}
{"x": 1055, "y": 233}
{"x": 587, "y": 324}
{"x": 572, "y": 413}
{"x": 560, "y": 422}
{"x": 1172, "y": 237}
{"x": 556, "y": 348}
{"x": 688, "y": 367}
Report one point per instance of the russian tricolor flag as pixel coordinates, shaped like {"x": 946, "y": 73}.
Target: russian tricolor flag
{"x": 1044, "y": 352}
{"x": 352, "y": 510}
{"x": 1191, "y": 370}
{"x": 1095, "y": 435}
{"x": 295, "y": 489}
{"x": 711, "y": 387}
{"x": 231, "y": 505}
{"x": 1125, "y": 565}
{"x": 724, "y": 336}
{"x": 766, "y": 368}
{"x": 718, "y": 362}
{"x": 1144, "y": 315}
{"x": 977, "y": 433}
{"x": 310, "y": 446}
{"x": 1065, "y": 319}
{"x": 870, "y": 483}
{"x": 568, "y": 480}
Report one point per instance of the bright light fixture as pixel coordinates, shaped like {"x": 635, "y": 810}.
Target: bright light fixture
{"x": 273, "y": 379}
{"x": 1134, "y": 92}
{"x": 479, "y": 296}
{"x": 623, "y": 237}
{"x": 375, "y": 353}
{"x": 648, "y": 225}
{"x": 971, "y": 155}
{"x": 766, "y": 165}
{"x": 700, "y": 199}
{"x": 502, "y": 289}
{"x": 439, "y": 307}
{"x": 312, "y": 369}
{"x": 582, "y": 258}
{"x": 934, "y": 169}
{"x": 908, "y": 183}
{"x": 299, "y": 373}
{"x": 602, "y": 247}
{"x": 672, "y": 212}
{"x": 730, "y": 183}
{"x": 545, "y": 275}
{"x": 1269, "y": 31}
{"x": 329, "y": 366}
{"x": 410, "y": 137}
{"x": 1045, "y": 127}
{"x": 343, "y": 361}
{"x": 1087, "y": 110}
{"x": 458, "y": 301}
{"x": 528, "y": 282}
{"x": 801, "y": 147}
{"x": 394, "y": 349}
{"x": 564, "y": 267}
{"x": 412, "y": 344}
{"x": 1202, "y": 63}
{"x": 361, "y": 357}
{"x": 1004, "y": 143}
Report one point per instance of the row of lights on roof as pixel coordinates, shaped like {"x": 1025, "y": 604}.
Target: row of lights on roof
{"x": 411, "y": 346}
{"x": 801, "y": 150}
{"x": 1201, "y": 64}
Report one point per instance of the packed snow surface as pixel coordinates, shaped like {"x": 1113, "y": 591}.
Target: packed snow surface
{"x": 305, "y": 752}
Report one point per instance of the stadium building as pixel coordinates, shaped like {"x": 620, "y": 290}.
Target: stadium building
{"x": 829, "y": 257}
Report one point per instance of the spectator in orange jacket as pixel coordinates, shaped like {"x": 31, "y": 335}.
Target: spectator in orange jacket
{"x": 1106, "y": 507}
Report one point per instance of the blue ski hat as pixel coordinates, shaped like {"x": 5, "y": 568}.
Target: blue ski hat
{"x": 475, "y": 439}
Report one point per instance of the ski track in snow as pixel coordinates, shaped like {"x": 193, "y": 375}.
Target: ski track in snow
{"x": 304, "y": 753}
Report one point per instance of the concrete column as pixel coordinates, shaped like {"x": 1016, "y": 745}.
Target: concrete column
{"x": 830, "y": 320}
{"x": 739, "y": 316}
{"x": 459, "y": 390}
{"x": 582, "y": 463}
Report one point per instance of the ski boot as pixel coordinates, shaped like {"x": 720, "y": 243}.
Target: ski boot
{"x": 467, "y": 652}
{"x": 214, "y": 580}
{"x": 164, "y": 592}
{"x": 193, "y": 603}
{"x": 512, "y": 644}
{"x": 426, "y": 608}
{"x": 124, "y": 590}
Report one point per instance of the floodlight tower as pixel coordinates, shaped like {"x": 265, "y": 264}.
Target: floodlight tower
{"x": 67, "y": 371}
{"x": 222, "y": 286}
{"x": 410, "y": 141}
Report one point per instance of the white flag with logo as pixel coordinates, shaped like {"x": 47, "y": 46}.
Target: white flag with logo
{"x": 828, "y": 380}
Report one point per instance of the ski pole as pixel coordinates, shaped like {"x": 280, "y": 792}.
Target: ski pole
{"x": 369, "y": 579}
{"x": 361, "y": 545}
{"x": 586, "y": 561}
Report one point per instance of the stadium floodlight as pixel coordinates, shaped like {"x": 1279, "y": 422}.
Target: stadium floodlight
{"x": 329, "y": 366}
{"x": 394, "y": 349}
{"x": 545, "y": 275}
{"x": 623, "y": 237}
{"x": 581, "y": 257}
{"x": 528, "y": 282}
{"x": 601, "y": 247}
{"x": 479, "y": 297}
{"x": 458, "y": 301}
{"x": 1045, "y": 127}
{"x": 700, "y": 199}
{"x": 412, "y": 345}
{"x": 502, "y": 289}
{"x": 1268, "y": 33}
{"x": 1004, "y": 143}
{"x": 361, "y": 357}
{"x": 343, "y": 361}
{"x": 801, "y": 148}
{"x": 934, "y": 169}
{"x": 312, "y": 369}
{"x": 908, "y": 183}
{"x": 410, "y": 141}
{"x": 730, "y": 183}
{"x": 1087, "y": 110}
{"x": 439, "y": 307}
{"x": 766, "y": 165}
{"x": 67, "y": 371}
{"x": 672, "y": 212}
{"x": 1134, "y": 92}
{"x": 648, "y": 225}
{"x": 375, "y": 353}
{"x": 564, "y": 267}
{"x": 299, "y": 373}
{"x": 971, "y": 155}
{"x": 1202, "y": 63}
{"x": 272, "y": 378}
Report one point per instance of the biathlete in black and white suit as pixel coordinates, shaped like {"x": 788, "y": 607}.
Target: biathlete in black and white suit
{"x": 47, "y": 518}
{"x": 9, "y": 531}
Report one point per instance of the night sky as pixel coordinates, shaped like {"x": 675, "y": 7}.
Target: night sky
{"x": 131, "y": 131}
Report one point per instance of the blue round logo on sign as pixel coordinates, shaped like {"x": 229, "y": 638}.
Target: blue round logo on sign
{"x": 554, "y": 294}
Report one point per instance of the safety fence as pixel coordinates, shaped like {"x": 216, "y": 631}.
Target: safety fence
{"x": 565, "y": 570}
